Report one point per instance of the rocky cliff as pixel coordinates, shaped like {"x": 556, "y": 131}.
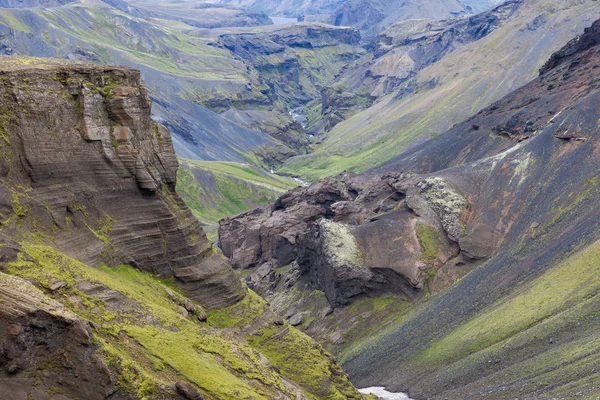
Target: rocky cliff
{"x": 498, "y": 216}
{"x": 109, "y": 286}
{"x": 111, "y": 198}
{"x": 296, "y": 61}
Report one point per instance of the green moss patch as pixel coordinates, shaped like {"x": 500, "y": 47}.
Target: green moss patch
{"x": 429, "y": 241}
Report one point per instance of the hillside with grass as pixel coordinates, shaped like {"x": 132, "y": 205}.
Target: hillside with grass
{"x": 448, "y": 91}
{"x": 215, "y": 190}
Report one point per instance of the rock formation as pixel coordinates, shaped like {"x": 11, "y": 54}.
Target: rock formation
{"x": 352, "y": 236}
{"x": 82, "y": 155}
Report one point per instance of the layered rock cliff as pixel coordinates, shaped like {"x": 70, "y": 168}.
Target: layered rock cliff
{"x": 109, "y": 287}
{"x": 83, "y": 157}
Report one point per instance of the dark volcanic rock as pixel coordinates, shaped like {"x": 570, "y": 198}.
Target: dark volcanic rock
{"x": 352, "y": 237}
{"x": 96, "y": 167}
{"x": 188, "y": 391}
{"x": 45, "y": 348}
{"x": 590, "y": 38}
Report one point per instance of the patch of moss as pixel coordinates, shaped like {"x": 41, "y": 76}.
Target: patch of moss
{"x": 305, "y": 362}
{"x": 242, "y": 313}
{"x": 428, "y": 239}
{"x": 103, "y": 228}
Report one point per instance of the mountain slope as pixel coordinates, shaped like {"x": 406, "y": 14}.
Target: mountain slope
{"x": 371, "y": 17}
{"x": 446, "y": 92}
{"x": 214, "y": 190}
{"x": 488, "y": 232}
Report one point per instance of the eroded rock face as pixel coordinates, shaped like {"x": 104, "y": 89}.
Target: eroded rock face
{"x": 352, "y": 236}
{"x": 44, "y": 346}
{"x": 83, "y": 156}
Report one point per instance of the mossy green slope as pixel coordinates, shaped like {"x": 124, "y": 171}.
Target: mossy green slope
{"x": 149, "y": 342}
{"x": 560, "y": 308}
{"x": 215, "y": 190}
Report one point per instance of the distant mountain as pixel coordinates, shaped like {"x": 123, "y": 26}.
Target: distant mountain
{"x": 312, "y": 9}
{"x": 481, "y": 5}
{"x": 33, "y": 3}
{"x": 373, "y": 16}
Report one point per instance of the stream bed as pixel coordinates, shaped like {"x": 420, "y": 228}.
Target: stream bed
{"x": 384, "y": 394}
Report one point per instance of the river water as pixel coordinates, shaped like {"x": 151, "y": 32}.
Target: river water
{"x": 282, "y": 20}
{"x": 384, "y": 394}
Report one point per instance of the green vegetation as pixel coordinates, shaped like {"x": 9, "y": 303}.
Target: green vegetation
{"x": 13, "y": 22}
{"x": 165, "y": 345}
{"x": 378, "y": 315}
{"x": 214, "y": 190}
{"x": 429, "y": 241}
{"x": 103, "y": 229}
{"x": 240, "y": 314}
{"x": 304, "y": 361}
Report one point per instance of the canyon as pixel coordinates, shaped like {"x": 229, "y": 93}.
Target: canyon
{"x": 403, "y": 202}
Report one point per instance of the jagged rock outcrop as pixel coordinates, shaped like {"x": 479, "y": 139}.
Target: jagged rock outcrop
{"x": 589, "y": 38}
{"x": 352, "y": 237}
{"x": 82, "y": 154}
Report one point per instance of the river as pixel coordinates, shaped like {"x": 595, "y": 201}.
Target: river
{"x": 282, "y": 20}
{"x": 384, "y": 394}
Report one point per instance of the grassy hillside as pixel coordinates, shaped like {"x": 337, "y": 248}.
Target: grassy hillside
{"x": 144, "y": 334}
{"x": 215, "y": 190}
{"x": 545, "y": 332}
